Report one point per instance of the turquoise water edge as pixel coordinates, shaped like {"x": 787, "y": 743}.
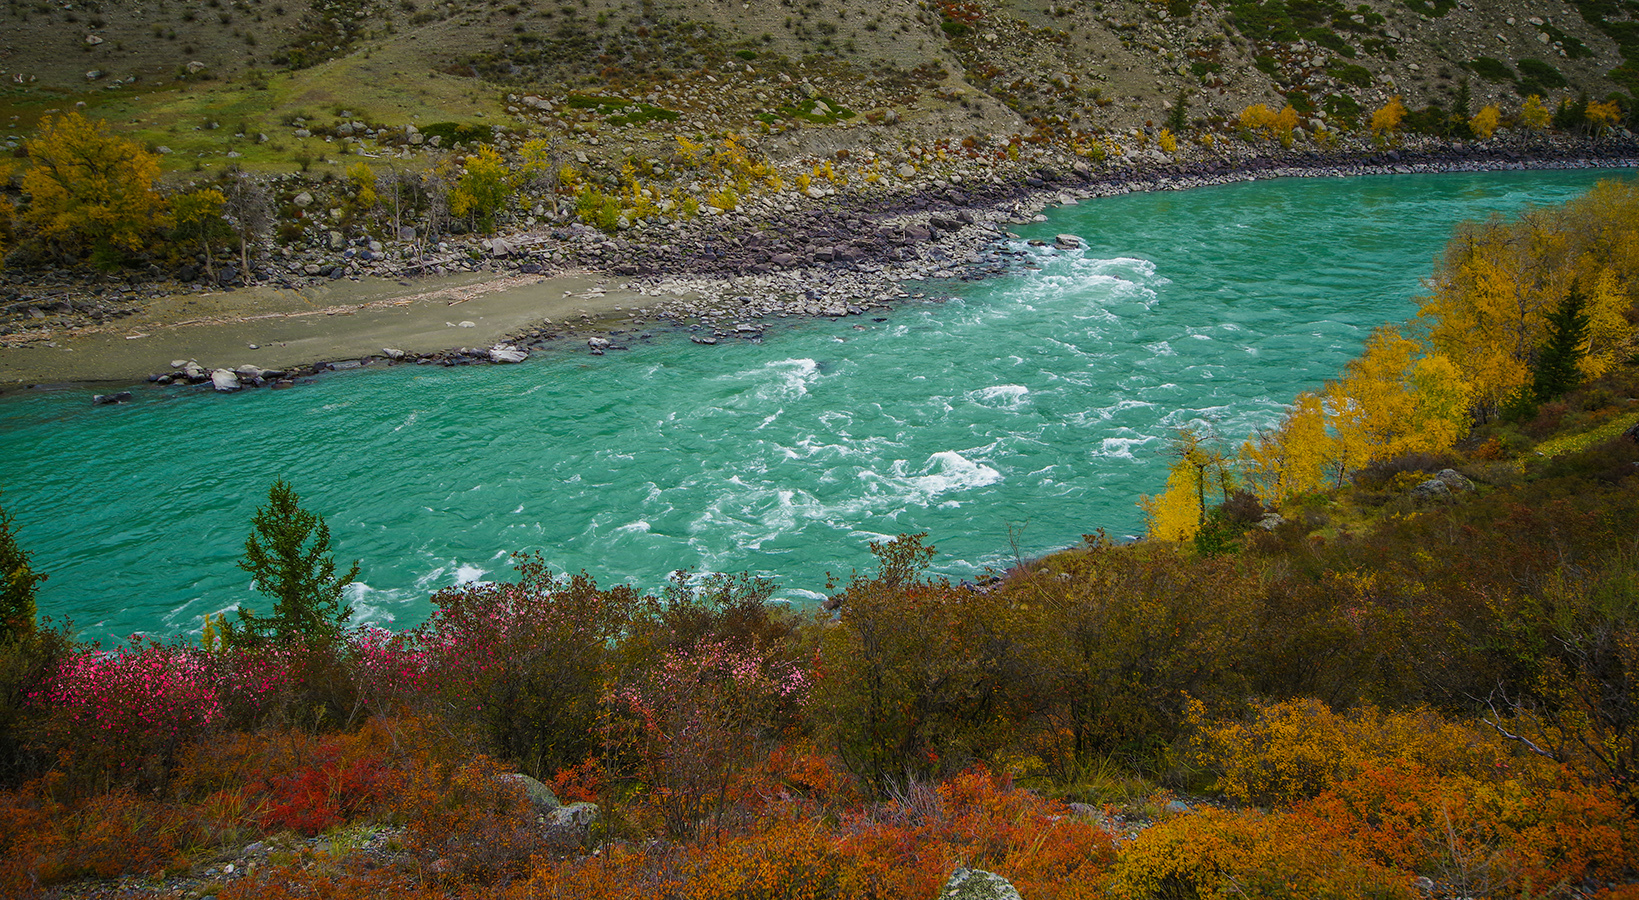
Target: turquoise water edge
{"x": 1010, "y": 418}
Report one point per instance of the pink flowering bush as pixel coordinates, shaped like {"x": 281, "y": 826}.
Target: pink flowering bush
{"x": 124, "y": 712}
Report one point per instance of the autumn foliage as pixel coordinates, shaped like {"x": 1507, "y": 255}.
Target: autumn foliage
{"x": 1373, "y": 687}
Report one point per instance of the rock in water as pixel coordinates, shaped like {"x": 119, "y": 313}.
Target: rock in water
{"x": 977, "y": 884}
{"x": 1068, "y": 242}
{"x": 224, "y": 381}
{"x": 503, "y": 353}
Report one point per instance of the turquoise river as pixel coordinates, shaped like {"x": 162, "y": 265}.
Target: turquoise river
{"x": 1013, "y": 417}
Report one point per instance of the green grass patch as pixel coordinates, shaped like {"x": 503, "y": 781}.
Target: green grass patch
{"x": 808, "y": 110}
{"x": 453, "y": 133}
{"x": 1490, "y": 69}
{"x": 1349, "y": 73}
{"x": 1342, "y": 108}
{"x": 1541, "y": 72}
{"x": 1574, "y": 48}
{"x": 620, "y": 111}
{"x": 1434, "y": 9}
{"x": 1572, "y": 443}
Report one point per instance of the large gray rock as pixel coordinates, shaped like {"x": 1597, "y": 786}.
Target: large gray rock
{"x": 1444, "y": 484}
{"x": 503, "y": 353}
{"x": 561, "y": 824}
{"x": 224, "y": 381}
{"x": 977, "y": 884}
{"x": 540, "y": 796}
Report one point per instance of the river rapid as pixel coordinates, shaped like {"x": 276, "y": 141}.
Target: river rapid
{"x": 1006, "y": 418}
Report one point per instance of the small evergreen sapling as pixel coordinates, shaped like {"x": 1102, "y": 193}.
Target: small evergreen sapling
{"x": 288, "y": 555}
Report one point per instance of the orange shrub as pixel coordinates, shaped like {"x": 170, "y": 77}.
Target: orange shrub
{"x": 44, "y": 842}
{"x": 1481, "y": 837}
{"x": 466, "y": 822}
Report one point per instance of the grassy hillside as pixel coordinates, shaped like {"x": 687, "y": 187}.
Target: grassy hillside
{"x": 208, "y": 78}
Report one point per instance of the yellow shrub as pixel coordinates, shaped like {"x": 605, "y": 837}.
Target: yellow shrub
{"x": 1168, "y": 142}
{"x": 1218, "y": 855}
{"x": 1300, "y": 748}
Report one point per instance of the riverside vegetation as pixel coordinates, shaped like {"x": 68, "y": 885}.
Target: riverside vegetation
{"x": 1335, "y": 669}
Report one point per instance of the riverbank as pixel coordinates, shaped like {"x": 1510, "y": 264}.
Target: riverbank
{"x": 841, "y": 251}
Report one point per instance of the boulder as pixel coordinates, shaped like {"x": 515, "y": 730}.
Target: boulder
{"x": 303, "y": 200}
{"x": 392, "y": 352}
{"x": 106, "y": 399}
{"x": 503, "y": 353}
{"x": 977, "y": 884}
{"x": 195, "y": 67}
{"x": 597, "y": 344}
{"x": 224, "y": 381}
{"x": 1068, "y": 242}
{"x": 561, "y": 824}
{"x": 1443, "y": 484}
{"x": 541, "y": 798}
{"x": 1455, "y": 480}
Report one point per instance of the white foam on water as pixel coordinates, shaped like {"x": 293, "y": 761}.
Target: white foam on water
{"x": 638, "y": 527}
{"x": 1161, "y": 348}
{"x": 944, "y": 472}
{"x": 407, "y": 422}
{"x": 1121, "y": 447}
{"x": 466, "y": 574}
{"x": 1001, "y": 396}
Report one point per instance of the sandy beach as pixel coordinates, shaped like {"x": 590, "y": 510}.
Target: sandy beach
{"x": 289, "y": 328}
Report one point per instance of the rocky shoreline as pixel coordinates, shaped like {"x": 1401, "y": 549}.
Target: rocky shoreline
{"x": 842, "y": 252}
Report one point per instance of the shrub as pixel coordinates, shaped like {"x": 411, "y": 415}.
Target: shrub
{"x": 1218, "y": 855}
{"x": 1301, "y": 748}
{"x": 123, "y": 714}
{"x": 480, "y": 826}
{"x": 525, "y": 662}
{"x": 18, "y": 581}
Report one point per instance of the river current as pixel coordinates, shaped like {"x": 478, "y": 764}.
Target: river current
{"x": 1004, "y": 417}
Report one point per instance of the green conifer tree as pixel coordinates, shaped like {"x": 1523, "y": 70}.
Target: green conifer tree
{"x": 1555, "y": 370}
{"x": 288, "y": 554}
{"x": 17, "y": 582}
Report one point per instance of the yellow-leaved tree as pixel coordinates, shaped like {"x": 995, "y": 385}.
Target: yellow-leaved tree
{"x": 1274, "y": 125}
{"x": 1386, "y": 120}
{"x": 198, "y": 216}
{"x": 1393, "y": 400}
{"x": 1295, "y": 457}
{"x": 89, "y": 188}
{"x": 482, "y": 189}
{"x": 1485, "y": 122}
{"x": 1176, "y": 514}
{"x": 1493, "y": 290}
{"x": 1533, "y": 115}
